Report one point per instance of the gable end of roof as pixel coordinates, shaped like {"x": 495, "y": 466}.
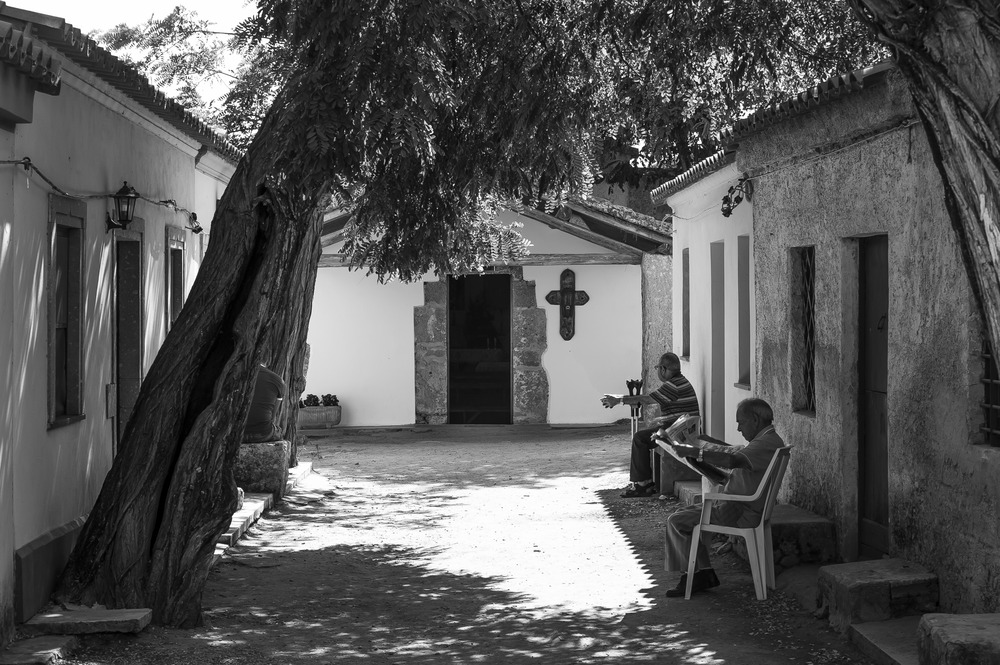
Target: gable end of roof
{"x": 69, "y": 42}
{"x": 703, "y": 168}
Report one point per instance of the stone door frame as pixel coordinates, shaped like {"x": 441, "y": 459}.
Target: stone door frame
{"x": 530, "y": 404}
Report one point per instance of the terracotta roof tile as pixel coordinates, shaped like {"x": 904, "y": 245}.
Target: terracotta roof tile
{"x": 833, "y": 88}
{"x": 68, "y": 41}
{"x": 703, "y": 168}
{"x": 624, "y": 213}
{"x": 30, "y": 57}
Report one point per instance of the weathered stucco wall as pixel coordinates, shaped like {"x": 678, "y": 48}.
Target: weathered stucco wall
{"x": 11, "y": 404}
{"x": 846, "y": 170}
{"x": 698, "y": 223}
{"x": 657, "y": 331}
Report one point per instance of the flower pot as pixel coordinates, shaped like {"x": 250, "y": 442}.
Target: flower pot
{"x": 318, "y": 417}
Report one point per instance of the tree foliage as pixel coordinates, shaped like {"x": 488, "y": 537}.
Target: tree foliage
{"x": 684, "y": 71}
{"x": 645, "y": 85}
{"x": 950, "y": 55}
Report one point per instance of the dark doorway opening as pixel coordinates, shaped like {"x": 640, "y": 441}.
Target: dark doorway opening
{"x": 873, "y": 366}
{"x": 479, "y": 345}
{"x": 128, "y": 326}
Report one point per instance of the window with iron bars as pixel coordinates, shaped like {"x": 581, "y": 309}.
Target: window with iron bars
{"x": 803, "y": 328}
{"x": 991, "y": 398}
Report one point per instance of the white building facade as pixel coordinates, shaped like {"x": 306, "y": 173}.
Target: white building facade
{"x": 85, "y": 306}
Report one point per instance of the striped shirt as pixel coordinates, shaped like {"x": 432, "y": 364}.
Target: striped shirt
{"x": 675, "y": 398}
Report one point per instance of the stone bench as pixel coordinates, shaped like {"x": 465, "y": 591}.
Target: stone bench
{"x": 263, "y": 467}
{"x": 798, "y": 536}
{"x": 876, "y": 590}
{"x": 958, "y": 639}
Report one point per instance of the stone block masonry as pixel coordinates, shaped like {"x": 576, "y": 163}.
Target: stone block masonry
{"x": 263, "y": 467}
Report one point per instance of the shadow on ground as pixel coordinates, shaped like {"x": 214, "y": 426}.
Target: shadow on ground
{"x": 478, "y": 547}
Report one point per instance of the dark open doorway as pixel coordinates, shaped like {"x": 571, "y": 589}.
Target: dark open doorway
{"x": 479, "y": 370}
{"x": 873, "y": 365}
{"x": 128, "y": 324}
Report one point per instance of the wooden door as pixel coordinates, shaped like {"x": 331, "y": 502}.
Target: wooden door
{"x": 128, "y": 325}
{"x": 479, "y": 349}
{"x": 873, "y": 366}
{"x": 717, "y": 404}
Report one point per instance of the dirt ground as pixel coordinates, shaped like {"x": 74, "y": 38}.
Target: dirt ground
{"x": 473, "y": 544}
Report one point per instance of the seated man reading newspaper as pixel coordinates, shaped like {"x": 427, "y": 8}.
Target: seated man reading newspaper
{"x": 747, "y": 465}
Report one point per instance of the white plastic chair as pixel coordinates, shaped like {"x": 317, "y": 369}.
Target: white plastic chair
{"x": 758, "y": 538}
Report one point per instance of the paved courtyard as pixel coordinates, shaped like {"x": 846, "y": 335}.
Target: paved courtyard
{"x": 473, "y": 544}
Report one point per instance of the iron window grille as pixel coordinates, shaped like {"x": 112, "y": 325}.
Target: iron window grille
{"x": 991, "y": 398}
{"x": 804, "y": 329}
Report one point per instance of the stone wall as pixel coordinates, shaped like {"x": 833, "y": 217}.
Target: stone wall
{"x": 430, "y": 322}
{"x": 853, "y": 167}
{"x": 530, "y": 382}
{"x": 657, "y": 329}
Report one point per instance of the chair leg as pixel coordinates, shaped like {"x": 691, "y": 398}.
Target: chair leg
{"x": 767, "y": 549}
{"x": 753, "y": 553}
{"x": 692, "y": 561}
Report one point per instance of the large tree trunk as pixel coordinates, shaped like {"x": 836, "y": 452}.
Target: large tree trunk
{"x": 151, "y": 535}
{"x": 949, "y": 50}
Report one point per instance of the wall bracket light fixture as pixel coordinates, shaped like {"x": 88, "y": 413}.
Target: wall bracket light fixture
{"x": 193, "y": 224}
{"x": 125, "y": 199}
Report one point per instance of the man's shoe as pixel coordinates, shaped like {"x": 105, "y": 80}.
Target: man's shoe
{"x": 635, "y": 490}
{"x": 703, "y": 579}
{"x": 678, "y": 591}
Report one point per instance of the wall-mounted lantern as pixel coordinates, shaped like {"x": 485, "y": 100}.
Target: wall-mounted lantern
{"x": 193, "y": 224}
{"x": 125, "y": 199}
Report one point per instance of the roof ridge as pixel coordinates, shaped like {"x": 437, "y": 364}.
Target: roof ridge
{"x": 701, "y": 169}
{"x": 21, "y": 51}
{"x": 70, "y": 42}
{"x": 834, "y": 87}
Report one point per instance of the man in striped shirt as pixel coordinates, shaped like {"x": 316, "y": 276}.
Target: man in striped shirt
{"x": 675, "y": 397}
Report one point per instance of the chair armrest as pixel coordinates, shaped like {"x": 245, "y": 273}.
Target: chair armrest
{"x": 728, "y": 497}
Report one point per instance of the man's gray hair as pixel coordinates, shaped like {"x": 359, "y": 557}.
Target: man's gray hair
{"x": 671, "y": 361}
{"x": 758, "y": 407}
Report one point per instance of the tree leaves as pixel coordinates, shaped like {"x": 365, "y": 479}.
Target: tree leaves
{"x": 425, "y": 113}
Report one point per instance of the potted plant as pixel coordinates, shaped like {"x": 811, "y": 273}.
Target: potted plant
{"x": 319, "y": 413}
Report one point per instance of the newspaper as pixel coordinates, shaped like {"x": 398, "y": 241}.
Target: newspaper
{"x": 684, "y": 432}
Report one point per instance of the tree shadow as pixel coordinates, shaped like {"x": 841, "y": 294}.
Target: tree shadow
{"x": 387, "y": 557}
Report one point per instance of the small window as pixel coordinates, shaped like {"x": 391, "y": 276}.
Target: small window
{"x": 65, "y": 310}
{"x": 686, "y": 303}
{"x": 745, "y": 280}
{"x": 803, "y": 328}
{"x": 175, "y": 274}
{"x": 991, "y": 398}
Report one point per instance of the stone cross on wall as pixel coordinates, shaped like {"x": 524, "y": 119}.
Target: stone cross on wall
{"x": 568, "y": 299}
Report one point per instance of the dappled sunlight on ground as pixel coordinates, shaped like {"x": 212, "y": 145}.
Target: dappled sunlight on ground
{"x": 400, "y": 550}
{"x": 527, "y": 539}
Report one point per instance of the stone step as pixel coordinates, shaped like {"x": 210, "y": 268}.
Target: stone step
{"x": 45, "y": 650}
{"x": 688, "y": 491}
{"x": 83, "y": 621}
{"x": 876, "y": 590}
{"x": 800, "y": 536}
{"x": 889, "y": 642}
{"x": 254, "y": 505}
{"x": 296, "y": 474}
{"x": 958, "y": 639}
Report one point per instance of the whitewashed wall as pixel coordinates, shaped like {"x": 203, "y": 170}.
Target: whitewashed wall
{"x": 87, "y": 140}
{"x": 698, "y": 222}
{"x": 11, "y": 401}
{"x": 362, "y": 343}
